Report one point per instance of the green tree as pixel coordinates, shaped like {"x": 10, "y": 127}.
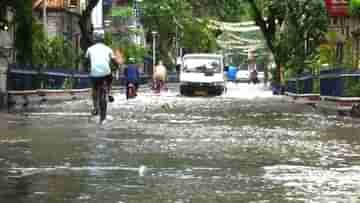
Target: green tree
{"x": 164, "y": 16}
{"x": 188, "y": 21}
{"x": 288, "y": 26}
{"x": 39, "y": 43}
{"x": 355, "y": 7}
{"x": 52, "y": 52}
{"x": 85, "y": 25}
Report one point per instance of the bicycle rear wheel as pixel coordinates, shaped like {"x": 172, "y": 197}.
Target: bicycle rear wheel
{"x": 102, "y": 103}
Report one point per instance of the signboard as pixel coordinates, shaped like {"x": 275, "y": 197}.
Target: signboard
{"x": 337, "y": 7}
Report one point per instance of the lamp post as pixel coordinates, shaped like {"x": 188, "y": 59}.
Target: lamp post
{"x": 178, "y": 37}
{"x": 154, "y": 33}
{"x": 137, "y": 11}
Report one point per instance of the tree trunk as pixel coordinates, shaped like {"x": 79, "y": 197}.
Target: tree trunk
{"x": 268, "y": 35}
{"x": 85, "y": 25}
{"x": 166, "y": 51}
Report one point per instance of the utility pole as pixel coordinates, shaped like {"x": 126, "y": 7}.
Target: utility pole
{"x": 176, "y": 43}
{"x": 45, "y": 16}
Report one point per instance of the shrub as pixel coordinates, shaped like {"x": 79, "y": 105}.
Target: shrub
{"x": 355, "y": 7}
{"x": 352, "y": 87}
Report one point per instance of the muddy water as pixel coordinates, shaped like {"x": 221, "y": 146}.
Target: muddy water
{"x": 245, "y": 146}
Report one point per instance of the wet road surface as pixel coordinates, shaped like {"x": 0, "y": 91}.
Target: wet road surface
{"x": 244, "y": 146}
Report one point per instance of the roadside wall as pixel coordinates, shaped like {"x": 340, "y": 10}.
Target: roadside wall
{"x": 3, "y": 95}
{"x": 5, "y": 47}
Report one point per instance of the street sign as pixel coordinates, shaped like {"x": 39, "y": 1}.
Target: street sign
{"x": 337, "y": 7}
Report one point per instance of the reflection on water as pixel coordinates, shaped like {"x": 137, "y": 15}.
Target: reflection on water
{"x": 245, "y": 146}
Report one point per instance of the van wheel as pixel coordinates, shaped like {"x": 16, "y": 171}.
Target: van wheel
{"x": 182, "y": 91}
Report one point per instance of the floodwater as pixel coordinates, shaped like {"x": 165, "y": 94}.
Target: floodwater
{"x": 244, "y": 146}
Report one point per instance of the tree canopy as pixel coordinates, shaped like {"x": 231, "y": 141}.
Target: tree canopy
{"x": 187, "y": 21}
{"x": 291, "y": 29}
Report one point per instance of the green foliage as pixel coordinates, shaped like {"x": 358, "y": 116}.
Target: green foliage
{"x": 190, "y": 18}
{"x": 348, "y": 54}
{"x": 328, "y": 54}
{"x": 352, "y": 87}
{"x": 198, "y": 37}
{"x": 23, "y": 21}
{"x": 287, "y": 25}
{"x": 355, "y": 7}
{"x": 108, "y": 40}
{"x": 54, "y": 52}
{"x": 130, "y": 50}
{"x": 39, "y": 45}
{"x": 224, "y": 10}
{"x": 122, "y": 12}
{"x": 61, "y": 53}
{"x": 68, "y": 83}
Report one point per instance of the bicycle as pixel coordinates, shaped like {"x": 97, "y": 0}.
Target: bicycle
{"x": 101, "y": 99}
{"x": 158, "y": 85}
{"x": 130, "y": 91}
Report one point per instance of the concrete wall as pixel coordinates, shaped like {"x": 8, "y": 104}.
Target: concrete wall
{"x": 5, "y": 47}
{"x": 3, "y": 95}
{"x": 6, "y": 44}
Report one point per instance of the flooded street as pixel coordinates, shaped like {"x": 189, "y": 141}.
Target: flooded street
{"x": 244, "y": 146}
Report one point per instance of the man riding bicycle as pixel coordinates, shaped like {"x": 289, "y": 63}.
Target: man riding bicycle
{"x": 159, "y": 76}
{"x": 100, "y": 57}
{"x": 132, "y": 75}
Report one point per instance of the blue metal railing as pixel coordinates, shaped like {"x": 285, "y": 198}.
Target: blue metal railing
{"x": 25, "y": 77}
{"x": 291, "y": 86}
{"x": 22, "y": 77}
{"x": 337, "y": 82}
{"x": 303, "y": 84}
{"x": 306, "y": 83}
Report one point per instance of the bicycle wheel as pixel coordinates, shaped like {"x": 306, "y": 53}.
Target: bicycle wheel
{"x": 102, "y": 103}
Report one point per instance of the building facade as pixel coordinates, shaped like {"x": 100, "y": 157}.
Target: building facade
{"x": 60, "y": 17}
{"x": 346, "y": 26}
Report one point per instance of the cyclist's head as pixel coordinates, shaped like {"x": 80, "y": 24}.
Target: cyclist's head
{"x": 98, "y": 37}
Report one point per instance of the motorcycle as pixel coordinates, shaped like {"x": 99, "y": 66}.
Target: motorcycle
{"x": 254, "y": 77}
{"x": 131, "y": 91}
{"x": 158, "y": 85}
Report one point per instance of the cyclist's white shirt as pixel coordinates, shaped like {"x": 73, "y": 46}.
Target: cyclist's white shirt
{"x": 100, "y": 56}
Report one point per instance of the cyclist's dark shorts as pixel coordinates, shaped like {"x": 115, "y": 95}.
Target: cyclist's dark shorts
{"x": 98, "y": 81}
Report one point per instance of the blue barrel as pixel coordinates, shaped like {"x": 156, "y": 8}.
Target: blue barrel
{"x": 231, "y": 75}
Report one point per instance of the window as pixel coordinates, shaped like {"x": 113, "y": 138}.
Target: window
{"x": 73, "y": 3}
{"x": 202, "y": 64}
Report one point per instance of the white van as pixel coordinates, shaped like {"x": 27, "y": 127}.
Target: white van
{"x": 202, "y": 75}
